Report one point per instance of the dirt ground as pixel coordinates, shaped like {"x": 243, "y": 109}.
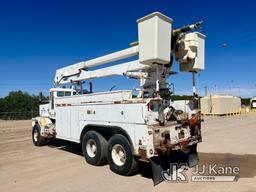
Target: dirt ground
{"x": 61, "y": 167}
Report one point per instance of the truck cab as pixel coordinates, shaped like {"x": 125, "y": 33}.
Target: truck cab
{"x": 48, "y": 110}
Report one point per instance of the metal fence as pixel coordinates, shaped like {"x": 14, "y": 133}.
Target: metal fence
{"x": 18, "y": 115}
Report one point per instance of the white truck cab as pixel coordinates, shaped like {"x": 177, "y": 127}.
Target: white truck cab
{"x": 48, "y": 110}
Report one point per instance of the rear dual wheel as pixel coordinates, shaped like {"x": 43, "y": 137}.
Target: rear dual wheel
{"x": 120, "y": 156}
{"x": 94, "y": 147}
{"x": 117, "y": 152}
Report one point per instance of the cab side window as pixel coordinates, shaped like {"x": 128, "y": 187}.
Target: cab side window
{"x": 60, "y": 93}
{"x": 67, "y": 93}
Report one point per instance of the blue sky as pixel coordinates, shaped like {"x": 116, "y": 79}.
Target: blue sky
{"x": 38, "y": 37}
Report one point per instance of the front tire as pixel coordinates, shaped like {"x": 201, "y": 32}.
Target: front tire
{"x": 94, "y": 147}
{"x": 37, "y": 138}
{"x": 120, "y": 156}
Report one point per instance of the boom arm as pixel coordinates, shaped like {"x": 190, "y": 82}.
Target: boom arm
{"x": 157, "y": 41}
{"x": 121, "y": 69}
{"x": 76, "y": 69}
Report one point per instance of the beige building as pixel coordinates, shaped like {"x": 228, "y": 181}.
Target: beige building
{"x": 220, "y": 104}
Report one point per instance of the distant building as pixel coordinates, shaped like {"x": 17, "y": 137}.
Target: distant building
{"x": 220, "y": 105}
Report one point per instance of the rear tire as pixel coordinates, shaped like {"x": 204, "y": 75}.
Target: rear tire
{"x": 120, "y": 156}
{"x": 37, "y": 138}
{"x": 94, "y": 147}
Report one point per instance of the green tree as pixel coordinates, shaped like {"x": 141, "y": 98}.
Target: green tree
{"x": 19, "y": 105}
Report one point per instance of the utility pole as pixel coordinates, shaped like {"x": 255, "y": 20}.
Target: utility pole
{"x": 173, "y": 89}
{"x": 231, "y": 89}
{"x": 194, "y": 83}
{"x": 205, "y": 90}
{"x": 215, "y": 86}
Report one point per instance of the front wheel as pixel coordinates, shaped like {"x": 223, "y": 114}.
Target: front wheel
{"x": 120, "y": 156}
{"x": 37, "y": 138}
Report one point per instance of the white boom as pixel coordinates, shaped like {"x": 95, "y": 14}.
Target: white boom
{"x": 154, "y": 47}
{"x": 121, "y": 69}
{"x": 78, "y": 67}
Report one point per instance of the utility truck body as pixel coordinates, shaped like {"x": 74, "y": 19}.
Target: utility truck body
{"x": 119, "y": 127}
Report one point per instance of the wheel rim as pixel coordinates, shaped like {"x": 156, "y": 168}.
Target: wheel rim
{"x": 91, "y": 148}
{"x": 36, "y": 135}
{"x": 118, "y": 155}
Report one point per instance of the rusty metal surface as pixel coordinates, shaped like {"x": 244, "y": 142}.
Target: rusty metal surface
{"x": 161, "y": 136}
{"x": 143, "y": 154}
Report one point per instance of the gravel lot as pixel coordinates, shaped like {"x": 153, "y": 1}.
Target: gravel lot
{"x": 61, "y": 167}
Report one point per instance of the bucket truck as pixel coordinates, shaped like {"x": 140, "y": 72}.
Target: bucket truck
{"x": 116, "y": 127}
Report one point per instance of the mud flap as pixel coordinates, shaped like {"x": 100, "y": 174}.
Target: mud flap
{"x": 193, "y": 159}
{"x": 158, "y": 165}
